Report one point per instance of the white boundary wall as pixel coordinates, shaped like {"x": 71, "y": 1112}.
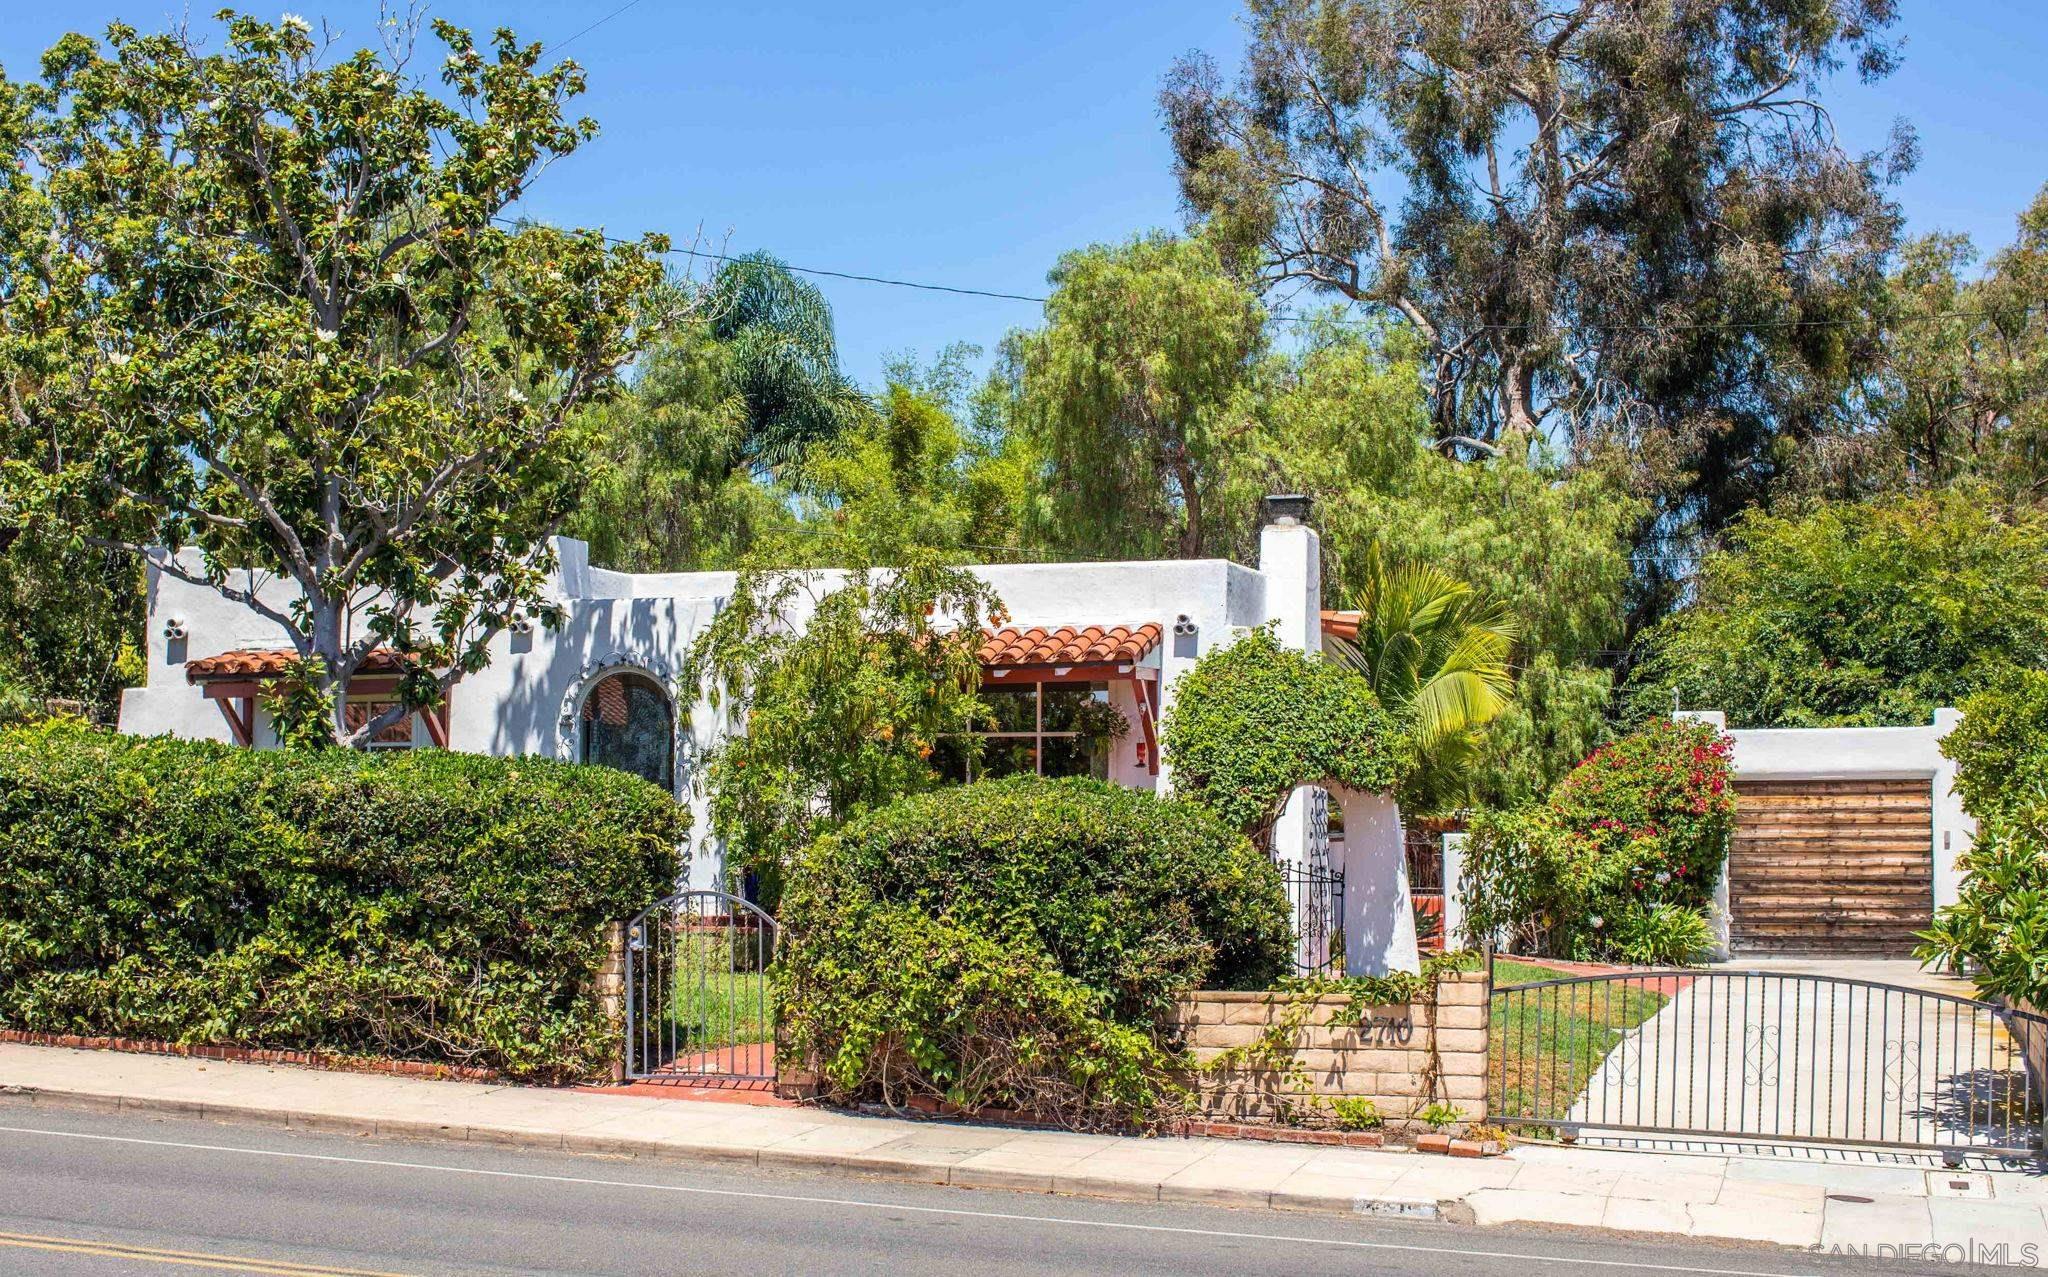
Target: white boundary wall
{"x": 1856, "y": 753}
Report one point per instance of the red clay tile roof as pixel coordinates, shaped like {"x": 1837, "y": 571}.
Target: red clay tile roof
{"x": 252, "y": 662}
{"x": 1343, "y": 625}
{"x": 1068, "y": 645}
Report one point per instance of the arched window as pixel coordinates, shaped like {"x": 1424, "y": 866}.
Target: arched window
{"x": 628, "y": 723}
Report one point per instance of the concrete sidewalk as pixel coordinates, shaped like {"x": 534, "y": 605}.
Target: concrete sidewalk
{"x": 1782, "y": 1201}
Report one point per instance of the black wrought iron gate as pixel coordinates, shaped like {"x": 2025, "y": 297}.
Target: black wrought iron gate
{"x": 1776, "y": 1056}
{"x": 699, "y": 1006}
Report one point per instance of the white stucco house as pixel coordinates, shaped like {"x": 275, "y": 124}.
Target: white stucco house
{"x": 604, "y": 686}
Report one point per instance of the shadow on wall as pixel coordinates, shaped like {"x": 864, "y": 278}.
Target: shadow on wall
{"x": 527, "y": 693}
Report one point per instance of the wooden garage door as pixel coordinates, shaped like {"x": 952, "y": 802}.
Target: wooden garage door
{"x": 1831, "y": 866}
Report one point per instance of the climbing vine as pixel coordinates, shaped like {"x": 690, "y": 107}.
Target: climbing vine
{"x": 1275, "y": 1050}
{"x": 1254, "y": 721}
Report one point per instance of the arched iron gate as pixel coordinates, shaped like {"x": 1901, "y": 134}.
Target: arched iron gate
{"x": 699, "y": 1007}
{"x": 1767, "y": 1055}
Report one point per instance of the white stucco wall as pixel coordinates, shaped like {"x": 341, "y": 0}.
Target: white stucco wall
{"x": 1379, "y": 913}
{"x": 1291, "y": 560}
{"x": 1856, "y": 753}
{"x": 524, "y": 702}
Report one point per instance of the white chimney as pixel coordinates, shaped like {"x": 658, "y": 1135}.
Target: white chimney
{"x": 1291, "y": 560}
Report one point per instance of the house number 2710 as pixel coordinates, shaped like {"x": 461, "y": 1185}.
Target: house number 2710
{"x": 1384, "y": 1030}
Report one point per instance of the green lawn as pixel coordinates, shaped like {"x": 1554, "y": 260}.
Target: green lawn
{"x": 1546, "y": 1043}
{"x": 717, "y": 1002}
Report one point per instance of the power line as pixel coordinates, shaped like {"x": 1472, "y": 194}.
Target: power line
{"x": 870, "y": 279}
{"x": 593, "y": 26}
{"x": 1284, "y": 317}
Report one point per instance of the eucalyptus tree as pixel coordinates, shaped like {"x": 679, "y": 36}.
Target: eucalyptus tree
{"x": 1624, "y": 226}
{"x": 266, "y": 304}
{"x": 1962, "y": 392}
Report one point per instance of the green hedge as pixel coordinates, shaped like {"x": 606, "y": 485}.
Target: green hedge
{"x": 1019, "y": 943}
{"x": 1998, "y": 926}
{"x": 1254, "y": 721}
{"x": 424, "y": 905}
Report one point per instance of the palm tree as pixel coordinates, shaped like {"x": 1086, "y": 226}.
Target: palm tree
{"x": 1437, "y": 655}
{"x": 784, "y": 362}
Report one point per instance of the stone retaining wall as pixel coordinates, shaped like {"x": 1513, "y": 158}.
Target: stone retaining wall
{"x": 1399, "y": 1057}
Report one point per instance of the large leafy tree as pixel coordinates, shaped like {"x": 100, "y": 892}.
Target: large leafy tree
{"x": 1963, "y": 388}
{"x": 1438, "y": 655}
{"x": 1623, "y": 226}
{"x": 265, "y": 303}
{"x": 1856, "y": 614}
{"x": 1133, "y": 394}
{"x": 908, "y": 480}
{"x": 838, "y": 689}
{"x": 70, "y": 622}
{"x": 673, "y": 488}
{"x": 697, "y": 464}
{"x": 1343, "y": 420}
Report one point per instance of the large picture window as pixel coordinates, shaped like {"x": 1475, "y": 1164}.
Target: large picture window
{"x": 628, "y": 723}
{"x": 1032, "y": 728}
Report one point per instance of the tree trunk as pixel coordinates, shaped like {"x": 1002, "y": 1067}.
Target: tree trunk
{"x": 1518, "y": 412}
{"x": 328, "y": 642}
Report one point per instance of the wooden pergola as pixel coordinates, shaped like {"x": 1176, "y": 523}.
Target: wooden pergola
{"x": 1082, "y": 654}
{"x": 234, "y": 681}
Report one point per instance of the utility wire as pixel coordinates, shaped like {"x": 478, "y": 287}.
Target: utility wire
{"x": 593, "y": 26}
{"x": 869, "y": 279}
{"x": 1284, "y": 317}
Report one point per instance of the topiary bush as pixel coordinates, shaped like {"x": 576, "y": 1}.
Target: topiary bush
{"x": 1019, "y": 943}
{"x": 421, "y": 905}
{"x": 1253, "y": 721}
{"x": 1642, "y": 824}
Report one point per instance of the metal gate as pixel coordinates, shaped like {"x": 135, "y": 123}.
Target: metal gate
{"x": 1768, "y": 1056}
{"x": 698, "y": 1002}
{"x": 1316, "y": 895}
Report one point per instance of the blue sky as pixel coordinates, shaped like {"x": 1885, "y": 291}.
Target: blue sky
{"x": 970, "y": 145}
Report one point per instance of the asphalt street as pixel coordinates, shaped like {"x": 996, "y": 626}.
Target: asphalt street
{"x": 89, "y": 1193}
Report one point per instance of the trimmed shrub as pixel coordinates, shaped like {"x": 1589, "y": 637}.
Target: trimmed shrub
{"x": 1642, "y": 823}
{"x": 1999, "y": 923}
{"x": 1519, "y": 883}
{"x": 2000, "y": 748}
{"x": 1019, "y": 943}
{"x": 421, "y": 905}
{"x": 888, "y": 1003}
{"x": 1253, "y": 721}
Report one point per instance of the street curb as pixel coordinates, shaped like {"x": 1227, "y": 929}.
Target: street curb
{"x": 853, "y": 1165}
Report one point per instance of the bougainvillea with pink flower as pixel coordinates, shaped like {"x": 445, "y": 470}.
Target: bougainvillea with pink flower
{"x": 1625, "y": 849}
{"x": 1650, "y": 814}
